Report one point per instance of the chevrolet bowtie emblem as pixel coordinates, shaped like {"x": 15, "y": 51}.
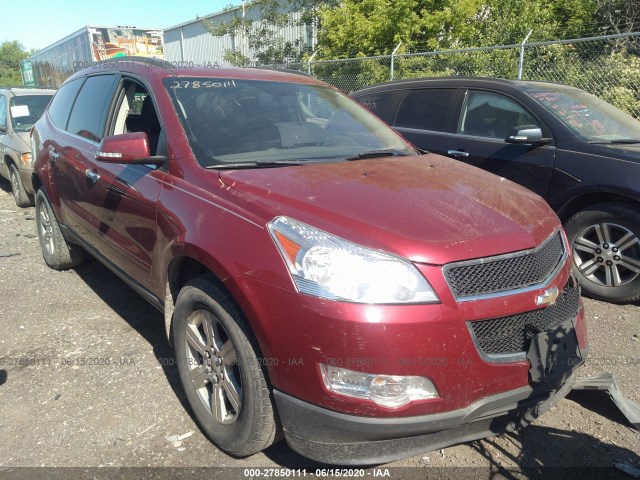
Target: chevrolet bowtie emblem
{"x": 549, "y": 297}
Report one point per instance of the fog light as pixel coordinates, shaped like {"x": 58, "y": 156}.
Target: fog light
{"x": 387, "y": 390}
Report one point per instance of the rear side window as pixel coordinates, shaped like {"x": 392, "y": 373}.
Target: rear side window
{"x": 89, "y": 111}
{"x": 62, "y": 103}
{"x": 425, "y": 109}
{"x": 381, "y": 104}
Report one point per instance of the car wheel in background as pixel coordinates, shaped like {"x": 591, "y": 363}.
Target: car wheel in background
{"x": 605, "y": 240}
{"x": 57, "y": 252}
{"x": 224, "y": 381}
{"x": 20, "y": 195}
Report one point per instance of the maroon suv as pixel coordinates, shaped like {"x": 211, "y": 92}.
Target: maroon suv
{"x": 315, "y": 272}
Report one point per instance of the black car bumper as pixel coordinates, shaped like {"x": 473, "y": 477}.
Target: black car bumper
{"x": 331, "y": 437}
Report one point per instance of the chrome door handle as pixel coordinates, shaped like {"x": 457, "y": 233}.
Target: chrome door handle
{"x": 93, "y": 176}
{"x": 457, "y": 153}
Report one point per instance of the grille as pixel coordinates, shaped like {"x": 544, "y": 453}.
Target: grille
{"x": 506, "y": 272}
{"x": 508, "y": 335}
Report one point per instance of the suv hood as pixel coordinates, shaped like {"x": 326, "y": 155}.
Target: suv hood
{"x": 632, "y": 151}
{"x": 427, "y": 208}
{"x": 24, "y": 136}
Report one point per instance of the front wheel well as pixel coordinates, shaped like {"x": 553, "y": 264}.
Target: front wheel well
{"x": 577, "y": 204}
{"x": 8, "y": 161}
{"x": 181, "y": 271}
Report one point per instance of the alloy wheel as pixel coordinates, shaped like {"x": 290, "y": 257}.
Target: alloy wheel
{"x": 607, "y": 254}
{"x": 213, "y": 367}
{"x": 46, "y": 229}
{"x": 15, "y": 186}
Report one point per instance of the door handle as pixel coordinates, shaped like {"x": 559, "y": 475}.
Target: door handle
{"x": 457, "y": 153}
{"x": 53, "y": 155}
{"x": 92, "y": 176}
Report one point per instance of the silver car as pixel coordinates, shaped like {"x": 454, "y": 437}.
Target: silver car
{"x": 20, "y": 108}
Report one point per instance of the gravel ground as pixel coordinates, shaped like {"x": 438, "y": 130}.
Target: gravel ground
{"x": 87, "y": 380}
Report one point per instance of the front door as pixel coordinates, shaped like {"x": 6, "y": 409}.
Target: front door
{"x": 485, "y": 121}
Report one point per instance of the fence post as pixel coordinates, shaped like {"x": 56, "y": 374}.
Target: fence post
{"x": 392, "y": 59}
{"x": 309, "y": 62}
{"x": 521, "y": 63}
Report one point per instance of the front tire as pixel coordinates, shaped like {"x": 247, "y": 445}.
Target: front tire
{"x": 20, "y": 195}
{"x": 217, "y": 358}
{"x": 605, "y": 240}
{"x": 56, "y": 251}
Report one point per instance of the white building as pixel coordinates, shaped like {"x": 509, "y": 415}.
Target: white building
{"x": 191, "y": 42}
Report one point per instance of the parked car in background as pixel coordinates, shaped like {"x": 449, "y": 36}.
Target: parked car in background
{"x": 578, "y": 152}
{"x": 316, "y": 273}
{"x": 19, "y": 110}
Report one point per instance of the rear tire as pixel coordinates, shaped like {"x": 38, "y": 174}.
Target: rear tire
{"x": 20, "y": 195}
{"x": 605, "y": 242}
{"x": 56, "y": 251}
{"x": 217, "y": 357}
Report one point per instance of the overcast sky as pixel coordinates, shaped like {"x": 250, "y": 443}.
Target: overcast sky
{"x": 37, "y": 24}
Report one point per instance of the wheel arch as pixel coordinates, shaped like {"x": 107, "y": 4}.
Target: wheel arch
{"x": 185, "y": 267}
{"x": 8, "y": 160}
{"x": 588, "y": 199}
{"x": 189, "y": 265}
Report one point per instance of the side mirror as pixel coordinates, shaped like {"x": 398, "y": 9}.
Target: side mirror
{"x": 526, "y": 135}
{"x": 128, "y": 148}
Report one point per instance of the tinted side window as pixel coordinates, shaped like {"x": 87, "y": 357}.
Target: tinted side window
{"x": 487, "y": 114}
{"x": 3, "y": 111}
{"x": 425, "y": 109}
{"x": 382, "y": 104}
{"x": 88, "y": 114}
{"x": 62, "y": 103}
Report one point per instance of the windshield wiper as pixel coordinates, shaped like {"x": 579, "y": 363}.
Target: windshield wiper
{"x": 376, "y": 154}
{"x": 618, "y": 141}
{"x": 258, "y": 164}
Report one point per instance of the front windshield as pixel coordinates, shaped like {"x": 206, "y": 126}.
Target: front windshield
{"x": 236, "y": 122}
{"x": 594, "y": 120}
{"x": 26, "y": 110}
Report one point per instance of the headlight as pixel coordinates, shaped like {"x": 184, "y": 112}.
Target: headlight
{"x": 34, "y": 153}
{"x": 392, "y": 391}
{"x": 327, "y": 266}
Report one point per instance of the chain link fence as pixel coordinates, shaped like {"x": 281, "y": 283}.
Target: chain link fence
{"x": 607, "y": 66}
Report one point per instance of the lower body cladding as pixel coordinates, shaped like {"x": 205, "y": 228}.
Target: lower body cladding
{"x": 332, "y": 437}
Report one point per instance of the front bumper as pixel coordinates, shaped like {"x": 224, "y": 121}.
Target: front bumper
{"x": 331, "y": 437}
{"x": 25, "y": 176}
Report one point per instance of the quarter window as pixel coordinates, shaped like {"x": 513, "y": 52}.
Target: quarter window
{"x": 425, "y": 109}
{"x": 89, "y": 111}
{"x": 486, "y": 114}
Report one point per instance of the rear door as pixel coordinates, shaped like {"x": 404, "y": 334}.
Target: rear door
{"x": 485, "y": 120}
{"x": 424, "y": 114}
{"x": 81, "y": 119}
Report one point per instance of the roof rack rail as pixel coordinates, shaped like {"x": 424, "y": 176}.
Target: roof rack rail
{"x": 284, "y": 70}
{"x": 11, "y": 87}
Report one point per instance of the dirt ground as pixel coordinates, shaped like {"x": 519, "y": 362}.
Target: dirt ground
{"x": 87, "y": 380}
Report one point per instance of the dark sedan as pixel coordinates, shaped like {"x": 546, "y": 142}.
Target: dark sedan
{"x": 578, "y": 152}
